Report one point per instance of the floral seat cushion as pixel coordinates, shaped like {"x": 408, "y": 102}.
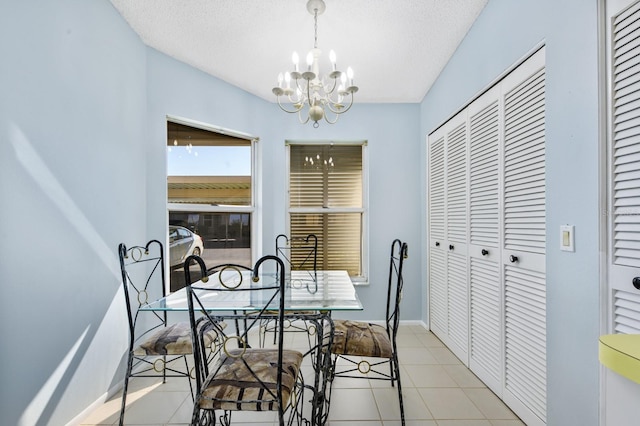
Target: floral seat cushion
{"x": 232, "y": 386}
{"x": 175, "y": 339}
{"x": 359, "y": 338}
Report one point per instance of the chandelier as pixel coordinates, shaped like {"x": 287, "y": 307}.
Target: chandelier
{"x": 309, "y": 92}
{"x": 318, "y": 162}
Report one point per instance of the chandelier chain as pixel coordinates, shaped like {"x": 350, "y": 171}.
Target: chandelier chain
{"x": 315, "y": 28}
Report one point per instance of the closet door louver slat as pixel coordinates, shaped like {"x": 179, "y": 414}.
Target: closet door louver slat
{"x": 457, "y": 185}
{"x": 626, "y": 139}
{"x": 436, "y": 189}
{"x": 486, "y": 329}
{"x": 524, "y": 183}
{"x": 525, "y": 341}
{"x": 483, "y": 177}
{"x": 438, "y": 300}
{"x": 626, "y": 308}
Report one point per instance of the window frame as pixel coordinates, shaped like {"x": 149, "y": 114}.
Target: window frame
{"x": 256, "y": 200}
{"x": 362, "y": 279}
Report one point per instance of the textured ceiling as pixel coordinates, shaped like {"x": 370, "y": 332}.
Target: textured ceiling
{"x": 396, "y": 48}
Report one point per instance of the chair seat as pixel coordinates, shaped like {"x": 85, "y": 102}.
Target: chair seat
{"x": 175, "y": 339}
{"x": 233, "y": 387}
{"x": 359, "y": 338}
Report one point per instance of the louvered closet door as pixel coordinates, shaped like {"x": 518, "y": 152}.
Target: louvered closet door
{"x": 486, "y": 349}
{"x": 625, "y": 178}
{"x": 456, "y": 236}
{"x": 621, "y": 396}
{"x": 438, "y": 300}
{"x": 523, "y": 254}
{"x": 448, "y": 282}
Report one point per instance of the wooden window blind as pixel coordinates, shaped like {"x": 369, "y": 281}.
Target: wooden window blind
{"x": 326, "y": 199}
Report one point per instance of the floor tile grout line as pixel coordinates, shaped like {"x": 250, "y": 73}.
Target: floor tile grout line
{"x": 411, "y": 340}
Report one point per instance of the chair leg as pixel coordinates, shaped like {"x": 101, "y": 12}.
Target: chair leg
{"x": 396, "y": 367}
{"x": 329, "y": 374}
{"x": 393, "y": 371}
{"x": 164, "y": 369}
{"x": 208, "y": 418}
{"x": 195, "y": 415}
{"x": 297, "y": 415}
{"x": 125, "y": 388}
{"x": 186, "y": 366}
{"x": 275, "y": 331}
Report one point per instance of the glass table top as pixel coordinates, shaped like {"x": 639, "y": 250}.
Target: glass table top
{"x": 305, "y": 290}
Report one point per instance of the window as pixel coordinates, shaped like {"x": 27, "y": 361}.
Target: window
{"x": 327, "y": 197}
{"x": 210, "y": 193}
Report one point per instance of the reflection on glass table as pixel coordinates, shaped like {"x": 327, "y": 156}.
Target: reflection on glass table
{"x": 306, "y": 290}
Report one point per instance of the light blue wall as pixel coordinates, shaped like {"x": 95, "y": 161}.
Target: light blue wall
{"x": 505, "y": 31}
{"x": 82, "y": 131}
{"x": 72, "y": 185}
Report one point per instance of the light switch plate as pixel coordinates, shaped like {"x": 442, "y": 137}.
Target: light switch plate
{"x": 567, "y": 238}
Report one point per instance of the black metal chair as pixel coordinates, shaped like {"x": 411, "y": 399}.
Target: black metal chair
{"x": 155, "y": 345}
{"x": 355, "y": 340}
{"x": 300, "y": 253}
{"x": 297, "y": 254}
{"x": 243, "y": 378}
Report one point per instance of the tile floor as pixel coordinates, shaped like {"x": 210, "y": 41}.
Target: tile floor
{"x": 438, "y": 391}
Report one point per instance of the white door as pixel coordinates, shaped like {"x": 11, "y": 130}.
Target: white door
{"x": 486, "y": 330}
{"x": 623, "y": 214}
{"x": 438, "y": 300}
{"x": 448, "y": 195}
{"x": 456, "y": 234}
{"x": 624, "y": 179}
{"x": 523, "y": 245}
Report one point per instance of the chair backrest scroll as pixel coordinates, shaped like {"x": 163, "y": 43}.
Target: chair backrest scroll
{"x": 399, "y": 252}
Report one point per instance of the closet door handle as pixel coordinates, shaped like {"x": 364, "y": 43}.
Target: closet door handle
{"x": 437, "y": 244}
{"x": 513, "y": 259}
{"x": 484, "y": 252}
{"x": 636, "y": 282}
{"x": 451, "y": 247}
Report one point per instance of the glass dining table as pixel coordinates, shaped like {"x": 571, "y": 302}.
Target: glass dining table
{"x": 305, "y": 291}
{"x": 309, "y": 296}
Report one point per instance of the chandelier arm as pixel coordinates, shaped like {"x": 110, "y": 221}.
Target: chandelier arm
{"x": 302, "y": 91}
{"x": 348, "y": 107}
{"x": 329, "y": 92}
{"x": 326, "y": 118}
{"x": 286, "y": 110}
{"x": 299, "y": 100}
{"x": 300, "y": 117}
{"x": 340, "y": 110}
{"x": 331, "y": 100}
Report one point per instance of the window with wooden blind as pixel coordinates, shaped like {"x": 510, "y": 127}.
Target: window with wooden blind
{"x": 327, "y": 198}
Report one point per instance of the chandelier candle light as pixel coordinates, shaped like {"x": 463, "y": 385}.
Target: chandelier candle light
{"x": 308, "y": 90}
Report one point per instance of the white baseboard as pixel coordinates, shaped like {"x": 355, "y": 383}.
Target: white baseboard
{"x": 405, "y": 323}
{"x": 77, "y": 420}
